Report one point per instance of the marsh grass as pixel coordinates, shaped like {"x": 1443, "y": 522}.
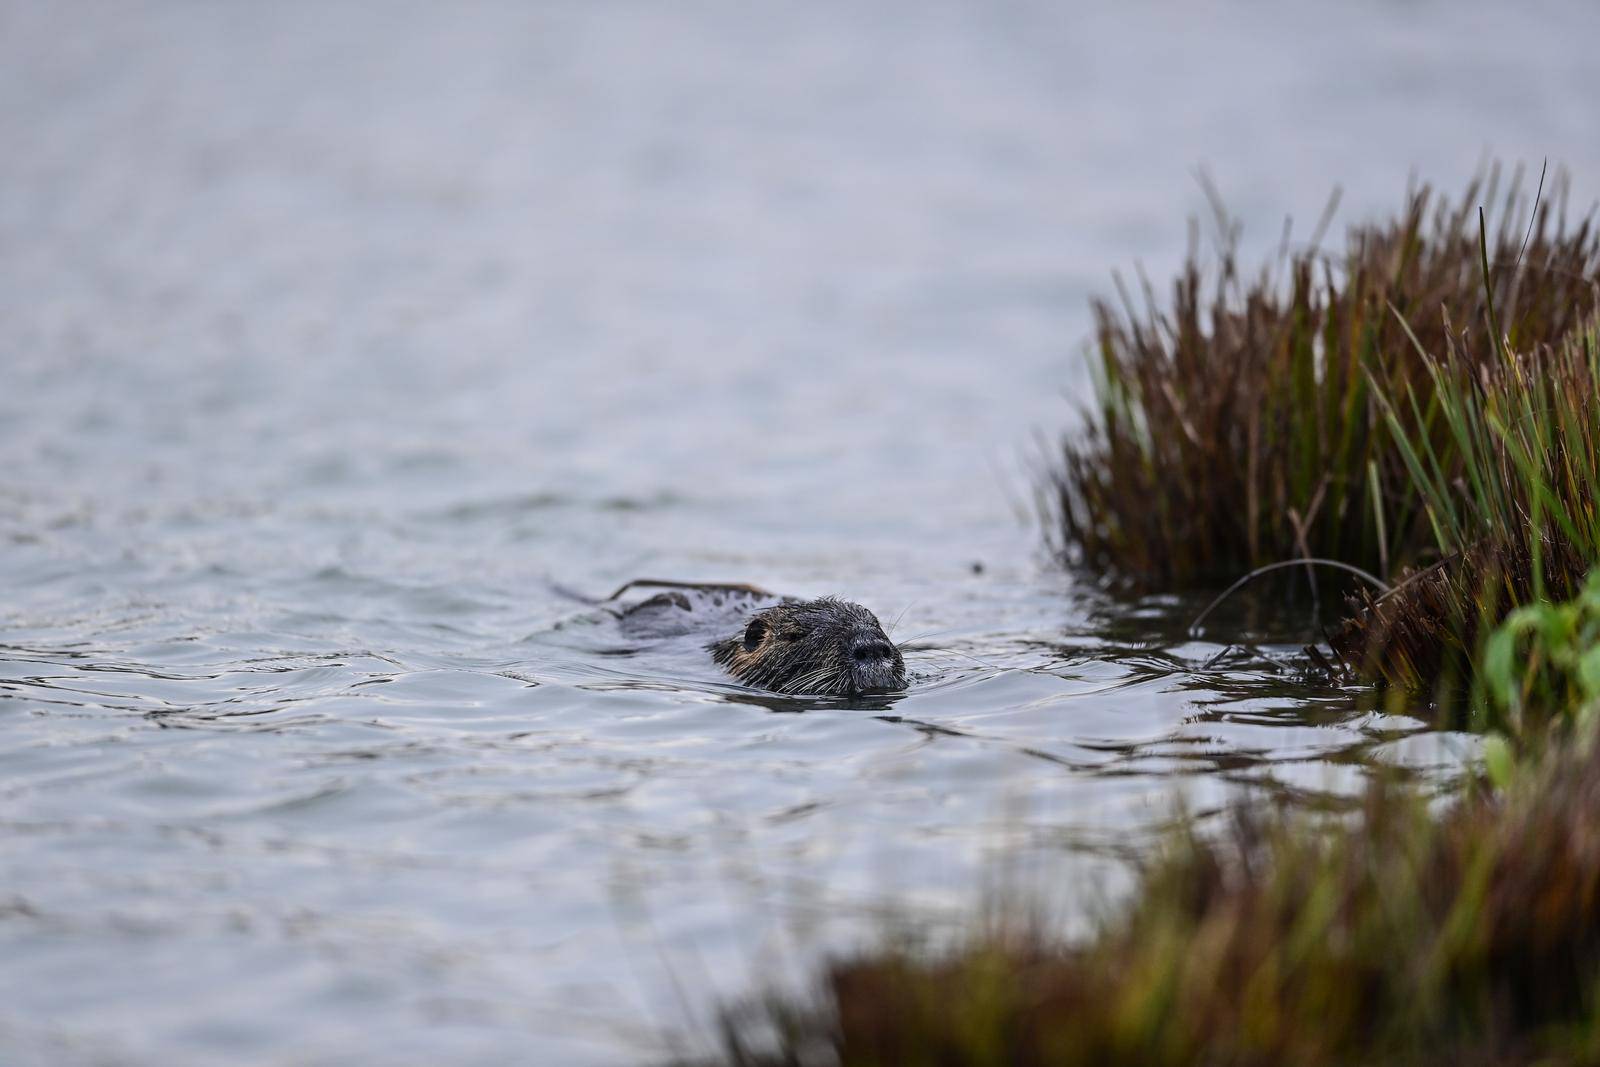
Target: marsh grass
{"x": 1238, "y": 426}
{"x": 1398, "y": 938}
{"x": 1504, "y": 458}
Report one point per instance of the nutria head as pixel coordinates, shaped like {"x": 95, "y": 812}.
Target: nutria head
{"x": 826, "y": 647}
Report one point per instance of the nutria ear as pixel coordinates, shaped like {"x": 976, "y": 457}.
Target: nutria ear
{"x": 754, "y": 634}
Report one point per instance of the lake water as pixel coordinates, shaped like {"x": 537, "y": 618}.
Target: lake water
{"x": 335, "y": 338}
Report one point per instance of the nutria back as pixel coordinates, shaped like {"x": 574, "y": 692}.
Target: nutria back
{"x": 693, "y": 610}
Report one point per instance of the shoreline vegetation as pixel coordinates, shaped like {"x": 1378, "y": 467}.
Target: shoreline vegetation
{"x": 1424, "y": 404}
{"x": 1509, "y": 495}
{"x": 1245, "y": 422}
{"x": 1398, "y": 938}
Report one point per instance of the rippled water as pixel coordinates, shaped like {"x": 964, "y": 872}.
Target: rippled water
{"x": 335, "y": 338}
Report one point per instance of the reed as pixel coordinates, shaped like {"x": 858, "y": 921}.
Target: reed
{"x": 1238, "y": 425}
{"x": 1504, "y": 459}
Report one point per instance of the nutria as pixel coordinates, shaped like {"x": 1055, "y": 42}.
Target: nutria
{"x": 824, "y": 647}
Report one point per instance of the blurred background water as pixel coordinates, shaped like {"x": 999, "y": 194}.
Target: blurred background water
{"x": 331, "y": 335}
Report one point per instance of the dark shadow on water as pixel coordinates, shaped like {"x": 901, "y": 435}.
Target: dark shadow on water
{"x": 783, "y": 704}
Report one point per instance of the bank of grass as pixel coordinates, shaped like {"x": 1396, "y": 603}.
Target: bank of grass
{"x": 1238, "y": 425}
{"x": 1397, "y": 936}
{"x": 1503, "y": 457}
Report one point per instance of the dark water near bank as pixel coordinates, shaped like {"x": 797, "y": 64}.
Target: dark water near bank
{"x": 331, "y": 335}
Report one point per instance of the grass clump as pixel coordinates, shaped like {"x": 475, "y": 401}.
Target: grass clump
{"x": 1400, "y": 939}
{"x": 1238, "y": 426}
{"x": 1504, "y": 457}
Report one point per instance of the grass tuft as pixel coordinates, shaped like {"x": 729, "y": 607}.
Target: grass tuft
{"x": 1504, "y": 458}
{"x": 1238, "y": 426}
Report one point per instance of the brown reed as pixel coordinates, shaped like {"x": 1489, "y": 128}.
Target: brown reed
{"x": 1237, "y": 426}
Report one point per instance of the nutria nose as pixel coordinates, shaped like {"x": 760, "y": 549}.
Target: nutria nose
{"x": 870, "y": 648}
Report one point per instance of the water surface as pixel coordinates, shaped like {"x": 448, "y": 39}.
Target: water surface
{"x": 332, "y": 336}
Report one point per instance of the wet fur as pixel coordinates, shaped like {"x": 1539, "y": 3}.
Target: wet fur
{"x": 824, "y": 647}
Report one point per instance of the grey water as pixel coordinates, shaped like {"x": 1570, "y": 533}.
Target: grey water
{"x": 337, "y": 340}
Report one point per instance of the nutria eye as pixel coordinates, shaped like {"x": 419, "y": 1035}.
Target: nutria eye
{"x": 791, "y": 635}
{"x": 754, "y": 634}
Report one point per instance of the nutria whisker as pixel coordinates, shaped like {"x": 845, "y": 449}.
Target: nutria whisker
{"x": 923, "y": 637}
{"x": 968, "y": 655}
{"x": 818, "y": 680}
